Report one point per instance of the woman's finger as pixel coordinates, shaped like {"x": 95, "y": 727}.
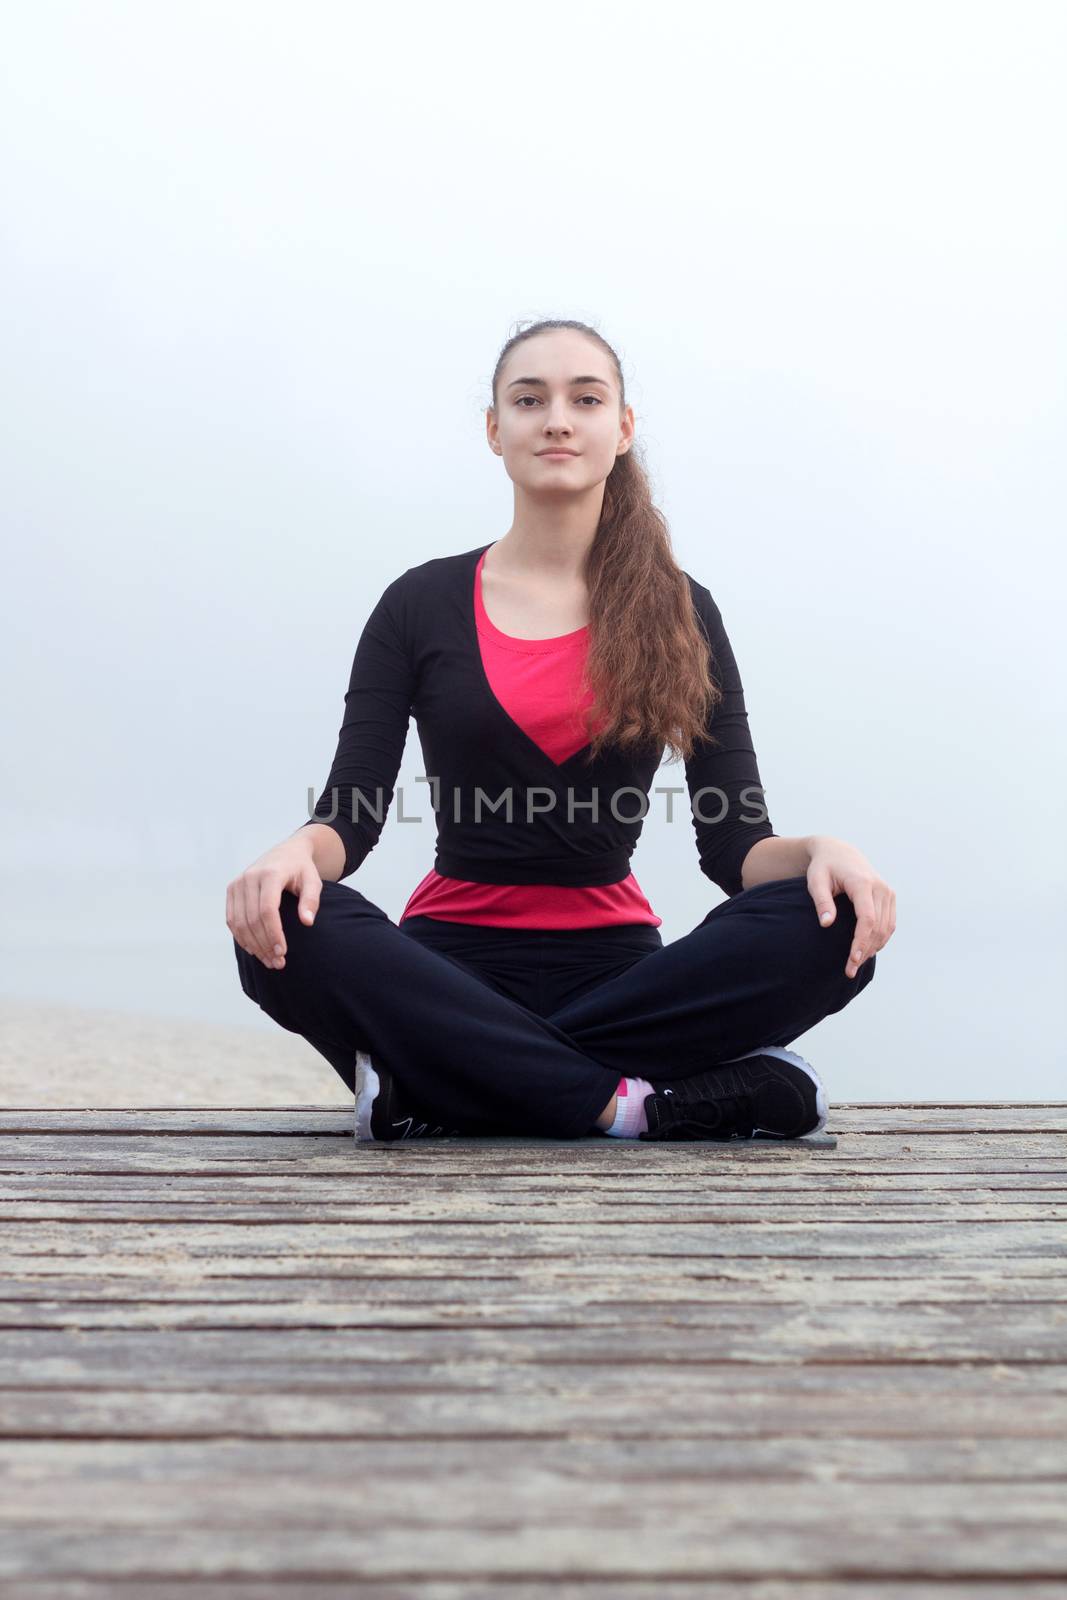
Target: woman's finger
{"x": 270, "y": 922}
{"x": 863, "y": 901}
{"x": 248, "y": 889}
{"x": 241, "y": 931}
{"x": 820, "y": 888}
{"x": 881, "y": 926}
{"x": 260, "y": 906}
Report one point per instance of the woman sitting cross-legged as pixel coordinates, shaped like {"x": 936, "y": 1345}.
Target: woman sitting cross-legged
{"x": 525, "y": 988}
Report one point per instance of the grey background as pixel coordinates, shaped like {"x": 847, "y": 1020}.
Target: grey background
{"x": 258, "y": 261}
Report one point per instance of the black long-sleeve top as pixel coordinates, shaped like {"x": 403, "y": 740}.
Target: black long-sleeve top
{"x": 418, "y": 655}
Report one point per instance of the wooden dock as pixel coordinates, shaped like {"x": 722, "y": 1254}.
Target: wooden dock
{"x": 242, "y": 1356}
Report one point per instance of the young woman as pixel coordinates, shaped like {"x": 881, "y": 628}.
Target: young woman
{"x": 526, "y": 988}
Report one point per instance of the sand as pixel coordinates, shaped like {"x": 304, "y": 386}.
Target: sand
{"x": 58, "y": 1055}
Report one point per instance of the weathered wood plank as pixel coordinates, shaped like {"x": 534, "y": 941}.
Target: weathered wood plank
{"x": 343, "y": 1157}
{"x": 801, "y": 1274}
{"x": 310, "y": 1359}
{"x": 642, "y": 1283}
{"x": 736, "y": 1186}
{"x": 675, "y": 1403}
{"x": 487, "y": 1208}
{"x": 31, "y": 1467}
{"x": 877, "y": 1116}
{"x": 421, "y": 1238}
{"x": 556, "y": 1588}
{"x": 563, "y": 1408}
{"x": 744, "y": 1333}
{"x": 960, "y": 1530}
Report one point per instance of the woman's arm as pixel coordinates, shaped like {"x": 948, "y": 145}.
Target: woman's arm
{"x": 327, "y": 849}
{"x": 775, "y": 858}
{"x": 370, "y": 744}
{"x": 726, "y": 794}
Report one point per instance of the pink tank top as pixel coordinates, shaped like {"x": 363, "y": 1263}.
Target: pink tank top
{"x": 538, "y": 683}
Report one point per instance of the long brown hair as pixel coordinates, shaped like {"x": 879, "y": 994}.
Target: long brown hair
{"x": 649, "y": 661}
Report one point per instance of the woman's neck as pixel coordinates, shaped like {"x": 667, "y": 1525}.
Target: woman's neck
{"x": 548, "y": 542}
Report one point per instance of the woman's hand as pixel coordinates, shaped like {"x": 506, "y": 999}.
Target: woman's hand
{"x": 839, "y": 868}
{"x": 252, "y": 900}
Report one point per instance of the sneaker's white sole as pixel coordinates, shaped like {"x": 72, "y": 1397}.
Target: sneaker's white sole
{"x": 367, "y": 1089}
{"x": 822, "y": 1109}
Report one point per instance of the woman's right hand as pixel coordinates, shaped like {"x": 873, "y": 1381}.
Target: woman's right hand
{"x": 252, "y": 900}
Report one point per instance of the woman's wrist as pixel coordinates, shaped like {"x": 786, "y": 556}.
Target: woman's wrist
{"x": 326, "y": 848}
{"x": 776, "y": 857}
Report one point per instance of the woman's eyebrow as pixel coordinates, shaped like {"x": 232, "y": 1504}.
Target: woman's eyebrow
{"x": 542, "y": 384}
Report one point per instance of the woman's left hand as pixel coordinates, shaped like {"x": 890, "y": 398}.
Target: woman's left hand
{"x": 839, "y": 868}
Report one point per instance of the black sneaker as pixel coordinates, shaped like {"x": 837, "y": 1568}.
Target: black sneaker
{"x": 769, "y": 1093}
{"x": 379, "y": 1115}
{"x": 672, "y": 1117}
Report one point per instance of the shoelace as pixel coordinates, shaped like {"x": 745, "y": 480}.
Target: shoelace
{"x": 734, "y": 1112}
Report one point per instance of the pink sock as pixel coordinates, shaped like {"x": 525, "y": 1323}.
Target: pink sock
{"x": 630, "y": 1119}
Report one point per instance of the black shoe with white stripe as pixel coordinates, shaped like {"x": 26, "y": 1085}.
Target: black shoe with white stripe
{"x": 380, "y": 1116}
{"x": 769, "y": 1093}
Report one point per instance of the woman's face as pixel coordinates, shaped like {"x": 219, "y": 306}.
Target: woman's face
{"x": 558, "y": 389}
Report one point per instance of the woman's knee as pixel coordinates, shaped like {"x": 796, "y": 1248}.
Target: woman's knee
{"x": 844, "y": 923}
{"x": 246, "y": 971}
{"x": 304, "y": 942}
{"x": 829, "y": 947}
{"x": 281, "y": 1001}
{"x": 255, "y": 975}
{"x": 312, "y": 952}
{"x": 843, "y": 989}
{"x": 273, "y": 988}
{"x": 864, "y": 975}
